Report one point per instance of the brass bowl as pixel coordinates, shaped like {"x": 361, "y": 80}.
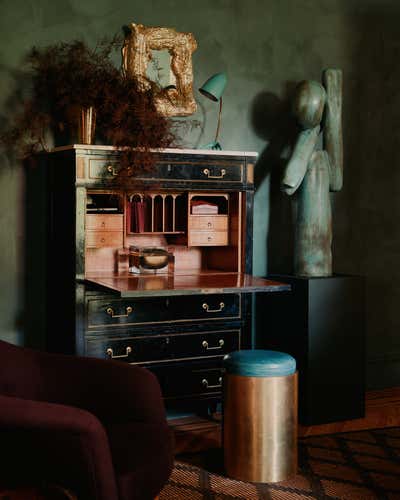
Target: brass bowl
{"x": 149, "y": 261}
{"x": 150, "y": 258}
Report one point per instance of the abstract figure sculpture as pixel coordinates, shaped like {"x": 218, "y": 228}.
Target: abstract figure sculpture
{"x": 314, "y": 172}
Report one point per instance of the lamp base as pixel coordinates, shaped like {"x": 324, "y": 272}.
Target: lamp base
{"x": 212, "y": 145}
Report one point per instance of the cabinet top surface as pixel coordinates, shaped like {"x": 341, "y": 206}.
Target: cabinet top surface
{"x": 87, "y": 148}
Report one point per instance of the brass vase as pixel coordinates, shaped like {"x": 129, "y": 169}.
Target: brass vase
{"x": 86, "y": 125}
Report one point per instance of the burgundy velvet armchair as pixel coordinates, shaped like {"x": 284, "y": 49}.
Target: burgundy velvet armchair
{"x": 95, "y": 427}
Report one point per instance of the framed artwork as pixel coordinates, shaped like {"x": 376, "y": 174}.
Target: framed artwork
{"x": 161, "y": 58}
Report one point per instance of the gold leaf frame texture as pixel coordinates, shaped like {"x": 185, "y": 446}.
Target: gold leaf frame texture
{"x": 136, "y": 55}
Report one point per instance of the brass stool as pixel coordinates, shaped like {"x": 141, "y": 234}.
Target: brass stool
{"x": 260, "y": 416}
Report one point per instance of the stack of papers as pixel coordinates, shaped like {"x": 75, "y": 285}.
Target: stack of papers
{"x": 202, "y": 207}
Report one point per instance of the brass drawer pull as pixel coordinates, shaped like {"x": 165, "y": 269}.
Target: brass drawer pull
{"x": 112, "y": 170}
{"x": 219, "y": 346}
{"x": 207, "y": 386}
{"x": 110, "y": 353}
{"x": 206, "y": 307}
{"x": 110, "y": 311}
{"x": 207, "y": 172}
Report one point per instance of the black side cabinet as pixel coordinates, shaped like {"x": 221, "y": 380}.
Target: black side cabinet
{"x": 320, "y": 322}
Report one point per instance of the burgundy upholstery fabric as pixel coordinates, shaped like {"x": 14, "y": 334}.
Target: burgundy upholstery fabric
{"x": 96, "y": 427}
{"x": 132, "y": 462}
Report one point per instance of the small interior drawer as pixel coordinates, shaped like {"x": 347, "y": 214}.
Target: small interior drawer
{"x": 100, "y": 239}
{"x": 156, "y": 349}
{"x": 207, "y": 238}
{"x": 105, "y": 222}
{"x": 208, "y": 222}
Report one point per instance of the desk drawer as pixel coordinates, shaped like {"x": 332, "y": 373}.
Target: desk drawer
{"x": 190, "y": 380}
{"x": 123, "y": 312}
{"x": 206, "y": 307}
{"x": 201, "y": 171}
{"x": 155, "y": 349}
{"x": 120, "y": 312}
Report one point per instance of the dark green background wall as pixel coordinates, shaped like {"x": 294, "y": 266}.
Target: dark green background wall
{"x": 265, "y": 47}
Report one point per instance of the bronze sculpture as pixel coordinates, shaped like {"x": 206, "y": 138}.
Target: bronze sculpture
{"x": 314, "y": 172}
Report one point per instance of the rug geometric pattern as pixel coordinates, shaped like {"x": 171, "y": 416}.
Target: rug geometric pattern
{"x": 362, "y": 465}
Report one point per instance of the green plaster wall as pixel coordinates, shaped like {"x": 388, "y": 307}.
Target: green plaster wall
{"x": 265, "y": 47}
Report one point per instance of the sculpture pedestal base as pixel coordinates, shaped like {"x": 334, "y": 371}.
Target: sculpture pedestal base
{"x": 321, "y": 324}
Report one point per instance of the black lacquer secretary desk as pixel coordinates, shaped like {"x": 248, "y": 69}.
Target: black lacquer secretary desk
{"x": 86, "y": 218}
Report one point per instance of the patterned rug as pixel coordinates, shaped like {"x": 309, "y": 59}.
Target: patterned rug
{"x": 361, "y": 465}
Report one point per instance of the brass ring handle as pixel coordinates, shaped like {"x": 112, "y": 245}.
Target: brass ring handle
{"x": 206, "y": 307}
{"x": 219, "y": 346}
{"x": 110, "y": 311}
{"x": 207, "y": 386}
{"x": 111, "y": 169}
{"x": 209, "y": 224}
{"x": 207, "y": 172}
{"x": 110, "y": 353}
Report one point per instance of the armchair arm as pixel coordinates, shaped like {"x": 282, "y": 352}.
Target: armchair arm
{"x": 34, "y": 433}
{"x": 113, "y": 391}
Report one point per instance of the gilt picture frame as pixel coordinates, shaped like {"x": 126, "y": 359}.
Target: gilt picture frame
{"x": 137, "y": 54}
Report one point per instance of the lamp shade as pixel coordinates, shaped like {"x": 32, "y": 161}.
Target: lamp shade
{"x": 214, "y": 87}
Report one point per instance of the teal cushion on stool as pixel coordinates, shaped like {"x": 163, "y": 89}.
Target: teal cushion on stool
{"x": 259, "y": 363}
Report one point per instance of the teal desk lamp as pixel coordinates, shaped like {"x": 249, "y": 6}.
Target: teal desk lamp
{"x": 213, "y": 88}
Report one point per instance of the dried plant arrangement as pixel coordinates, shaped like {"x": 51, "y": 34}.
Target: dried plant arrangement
{"x": 67, "y": 77}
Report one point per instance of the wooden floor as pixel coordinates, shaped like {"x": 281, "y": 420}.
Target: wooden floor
{"x": 382, "y": 409}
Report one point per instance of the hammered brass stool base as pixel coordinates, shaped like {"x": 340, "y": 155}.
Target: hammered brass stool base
{"x": 260, "y": 416}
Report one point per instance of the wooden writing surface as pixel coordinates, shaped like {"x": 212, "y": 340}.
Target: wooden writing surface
{"x": 185, "y": 284}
